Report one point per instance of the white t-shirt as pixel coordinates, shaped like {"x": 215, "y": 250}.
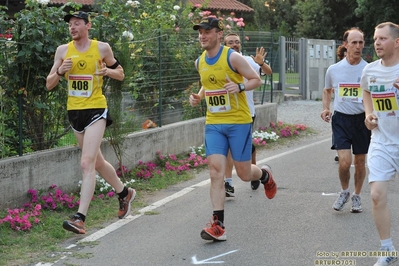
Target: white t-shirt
{"x": 250, "y": 94}
{"x": 379, "y": 80}
{"x": 345, "y": 79}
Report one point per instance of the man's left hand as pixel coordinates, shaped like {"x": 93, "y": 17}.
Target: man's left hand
{"x": 260, "y": 55}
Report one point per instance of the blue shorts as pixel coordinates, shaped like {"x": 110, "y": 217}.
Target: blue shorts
{"x": 350, "y": 131}
{"x": 219, "y": 138}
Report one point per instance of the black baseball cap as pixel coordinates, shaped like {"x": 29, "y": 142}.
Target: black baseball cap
{"x": 209, "y": 23}
{"x": 78, "y": 14}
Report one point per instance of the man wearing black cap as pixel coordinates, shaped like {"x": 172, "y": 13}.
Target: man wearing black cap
{"x": 84, "y": 63}
{"x": 228, "y": 119}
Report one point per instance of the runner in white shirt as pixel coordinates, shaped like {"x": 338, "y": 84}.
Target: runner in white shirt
{"x": 380, "y": 86}
{"x": 349, "y": 132}
{"x": 233, "y": 41}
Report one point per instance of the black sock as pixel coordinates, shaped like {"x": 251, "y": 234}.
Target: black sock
{"x": 81, "y": 216}
{"x": 123, "y": 193}
{"x": 219, "y": 215}
{"x": 265, "y": 176}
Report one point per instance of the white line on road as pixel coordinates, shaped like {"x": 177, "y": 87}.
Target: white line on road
{"x": 118, "y": 224}
{"x": 208, "y": 261}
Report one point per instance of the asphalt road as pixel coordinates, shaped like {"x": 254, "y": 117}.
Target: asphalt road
{"x": 297, "y": 227}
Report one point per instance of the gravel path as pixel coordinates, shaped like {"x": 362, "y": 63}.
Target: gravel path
{"x": 305, "y": 112}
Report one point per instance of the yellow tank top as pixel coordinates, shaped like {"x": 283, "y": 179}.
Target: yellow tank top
{"x": 222, "y": 107}
{"x": 84, "y": 88}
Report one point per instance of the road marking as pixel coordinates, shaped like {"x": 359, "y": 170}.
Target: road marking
{"x": 114, "y": 226}
{"x": 330, "y": 194}
{"x": 292, "y": 151}
{"x": 207, "y": 261}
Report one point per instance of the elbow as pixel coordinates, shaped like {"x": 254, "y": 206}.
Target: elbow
{"x": 259, "y": 82}
{"x": 49, "y": 86}
{"x": 121, "y": 77}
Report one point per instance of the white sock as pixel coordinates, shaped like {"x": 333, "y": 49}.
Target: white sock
{"x": 387, "y": 243}
{"x": 345, "y": 190}
{"x": 229, "y": 180}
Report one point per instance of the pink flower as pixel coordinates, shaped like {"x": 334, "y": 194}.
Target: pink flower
{"x": 240, "y": 24}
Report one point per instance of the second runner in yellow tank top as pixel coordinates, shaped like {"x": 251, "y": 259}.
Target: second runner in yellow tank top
{"x": 222, "y": 107}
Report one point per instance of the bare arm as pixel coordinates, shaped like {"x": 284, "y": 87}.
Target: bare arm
{"x": 326, "y": 114}
{"x": 260, "y": 60}
{"x": 242, "y": 66}
{"x": 195, "y": 99}
{"x": 266, "y": 69}
{"x": 109, "y": 59}
{"x": 59, "y": 65}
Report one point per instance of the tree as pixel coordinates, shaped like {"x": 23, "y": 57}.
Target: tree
{"x": 342, "y": 14}
{"x": 374, "y": 12}
{"x": 284, "y": 16}
{"x": 272, "y": 15}
{"x": 314, "y": 20}
{"x": 37, "y": 31}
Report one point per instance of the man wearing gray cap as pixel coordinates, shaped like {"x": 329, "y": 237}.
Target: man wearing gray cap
{"x": 228, "y": 119}
{"x": 83, "y": 63}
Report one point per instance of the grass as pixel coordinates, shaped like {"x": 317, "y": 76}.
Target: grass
{"x": 43, "y": 242}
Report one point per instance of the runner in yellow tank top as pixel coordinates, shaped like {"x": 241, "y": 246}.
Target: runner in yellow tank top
{"x": 223, "y": 107}
{"x": 84, "y": 86}
{"x": 84, "y": 63}
{"x": 228, "y": 121}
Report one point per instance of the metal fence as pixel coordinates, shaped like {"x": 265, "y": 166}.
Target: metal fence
{"x": 157, "y": 84}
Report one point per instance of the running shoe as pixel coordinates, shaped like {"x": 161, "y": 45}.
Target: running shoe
{"x": 340, "y": 202}
{"x": 389, "y": 259}
{"x": 356, "y": 204}
{"x": 75, "y": 224}
{"x": 125, "y": 203}
{"x": 229, "y": 190}
{"x": 215, "y": 232}
{"x": 270, "y": 185}
{"x": 255, "y": 184}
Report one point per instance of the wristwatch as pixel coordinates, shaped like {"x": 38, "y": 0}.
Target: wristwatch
{"x": 241, "y": 87}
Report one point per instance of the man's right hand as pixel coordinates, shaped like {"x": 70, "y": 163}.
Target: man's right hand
{"x": 371, "y": 121}
{"x": 195, "y": 99}
{"x": 65, "y": 66}
{"x": 326, "y": 115}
